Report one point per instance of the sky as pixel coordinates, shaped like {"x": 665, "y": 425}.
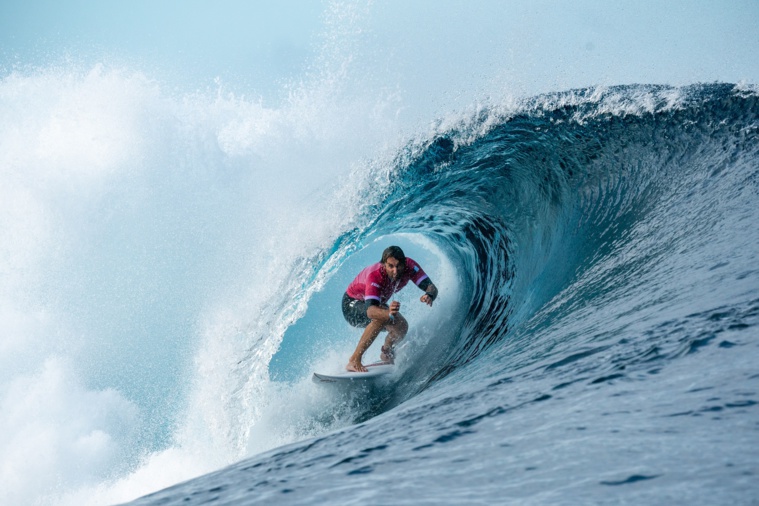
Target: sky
{"x": 258, "y": 42}
{"x": 452, "y": 51}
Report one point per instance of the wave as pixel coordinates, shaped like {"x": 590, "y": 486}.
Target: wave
{"x": 190, "y": 299}
{"x": 541, "y": 209}
{"x": 586, "y": 238}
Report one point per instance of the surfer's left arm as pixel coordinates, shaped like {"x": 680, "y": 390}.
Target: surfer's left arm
{"x": 430, "y": 291}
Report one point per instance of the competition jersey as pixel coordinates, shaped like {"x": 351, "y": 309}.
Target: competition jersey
{"x": 374, "y": 283}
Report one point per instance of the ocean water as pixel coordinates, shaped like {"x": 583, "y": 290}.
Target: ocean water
{"x": 596, "y": 340}
{"x": 172, "y": 263}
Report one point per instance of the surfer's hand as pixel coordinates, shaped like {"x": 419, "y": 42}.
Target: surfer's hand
{"x": 395, "y": 307}
{"x": 426, "y": 299}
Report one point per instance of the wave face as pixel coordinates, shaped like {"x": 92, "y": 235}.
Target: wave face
{"x": 595, "y": 337}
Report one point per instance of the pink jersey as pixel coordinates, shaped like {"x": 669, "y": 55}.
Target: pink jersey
{"x": 374, "y": 283}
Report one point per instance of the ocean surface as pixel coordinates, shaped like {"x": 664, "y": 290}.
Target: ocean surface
{"x": 173, "y": 257}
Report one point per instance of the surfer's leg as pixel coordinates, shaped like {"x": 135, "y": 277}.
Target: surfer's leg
{"x": 367, "y": 338}
{"x": 396, "y": 331}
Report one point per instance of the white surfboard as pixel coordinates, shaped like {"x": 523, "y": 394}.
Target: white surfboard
{"x": 374, "y": 371}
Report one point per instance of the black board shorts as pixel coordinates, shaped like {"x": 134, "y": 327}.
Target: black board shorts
{"x": 354, "y": 311}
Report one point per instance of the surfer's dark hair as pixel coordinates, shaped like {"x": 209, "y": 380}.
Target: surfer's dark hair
{"x": 395, "y": 252}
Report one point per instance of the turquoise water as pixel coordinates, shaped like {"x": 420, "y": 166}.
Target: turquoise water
{"x": 606, "y": 264}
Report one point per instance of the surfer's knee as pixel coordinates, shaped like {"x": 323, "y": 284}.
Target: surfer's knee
{"x": 382, "y": 321}
{"x": 400, "y": 323}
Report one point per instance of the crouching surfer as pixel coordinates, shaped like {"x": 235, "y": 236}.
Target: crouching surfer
{"x": 365, "y": 302}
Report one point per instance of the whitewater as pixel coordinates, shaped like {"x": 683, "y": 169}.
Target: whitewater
{"x": 173, "y": 257}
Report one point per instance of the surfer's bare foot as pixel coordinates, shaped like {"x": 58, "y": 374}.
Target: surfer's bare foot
{"x": 387, "y": 355}
{"x": 355, "y": 367}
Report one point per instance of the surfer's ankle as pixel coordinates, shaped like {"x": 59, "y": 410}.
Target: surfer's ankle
{"x": 387, "y": 354}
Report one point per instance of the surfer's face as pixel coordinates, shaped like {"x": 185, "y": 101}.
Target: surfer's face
{"x": 394, "y": 268}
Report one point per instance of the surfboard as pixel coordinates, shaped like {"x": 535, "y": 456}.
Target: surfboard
{"x": 374, "y": 371}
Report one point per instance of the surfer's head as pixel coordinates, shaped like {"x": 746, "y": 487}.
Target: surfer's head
{"x": 394, "y": 261}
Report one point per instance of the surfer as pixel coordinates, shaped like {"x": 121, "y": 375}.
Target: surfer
{"x": 365, "y": 302}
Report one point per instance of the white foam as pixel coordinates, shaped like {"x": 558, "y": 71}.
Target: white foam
{"x": 140, "y": 229}
{"x": 57, "y": 434}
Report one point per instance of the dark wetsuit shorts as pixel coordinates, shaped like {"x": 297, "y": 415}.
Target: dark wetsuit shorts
{"x": 354, "y": 311}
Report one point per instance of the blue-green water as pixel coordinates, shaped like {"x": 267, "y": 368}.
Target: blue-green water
{"x": 598, "y": 331}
